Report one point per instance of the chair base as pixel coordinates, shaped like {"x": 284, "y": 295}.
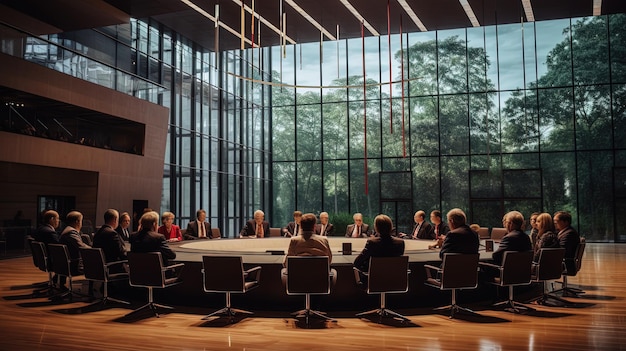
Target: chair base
{"x": 227, "y": 311}
{"x": 545, "y": 298}
{"x": 384, "y": 312}
{"x": 152, "y": 307}
{"x": 307, "y": 313}
{"x": 568, "y": 292}
{"x": 513, "y": 306}
{"x": 455, "y": 309}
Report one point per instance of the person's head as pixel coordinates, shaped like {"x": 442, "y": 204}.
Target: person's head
{"x": 297, "y": 216}
{"x": 125, "y": 220}
{"x": 307, "y": 222}
{"x": 435, "y": 217}
{"x": 111, "y": 217}
{"x": 475, "y": 227}
{"x": 544, "y": 223}
{"x": 75, "y": 220}
{"x": 259, "y": 216}
{"x": 149, "y": 221}
{"x": 383, "y": 225}
{"x": 51, "y": 217}
{"x": 201, "y": 215}
{"x": 513, "y": 220}
{"x": 419, "y": 216}
{"x": 324, "y": 218}
{"x": 358, "y": 219}
{"x": 562, "y": 220}
{"x": 168, "y": 219}
{"x": 456, "y": 218}
{"x": 533, "y": 220}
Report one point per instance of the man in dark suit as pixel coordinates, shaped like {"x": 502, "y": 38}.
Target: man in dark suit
{"x": 148, "y": 240}
{"x": 460, "y": 239}
{"x": 293, "y": 228}
{"x": 123, "y": 227}
{"x": 200, "y": 228}
{"x": 515, "y": 239}
{"x": 568, "y": 238}
{"x": 109, "y": 240}
{"x": 421, "y": 229}
{"x": 46, "y": 233}
{"x": 257, "y": 227}
{"x": 382, "y": 245}
{"x": 71, "y": 238}
{"x": 439, "y": 226}
{"x": 324, "y": 228}
{"x": 358, "y": 229}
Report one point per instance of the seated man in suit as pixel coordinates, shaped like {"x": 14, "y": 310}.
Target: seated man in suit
{"x": 308, "y": 244}
{"x": 257, "y": 227}
{"x": 358, "y": 229}
{"x": 110, "y": 241}
{"x": 71, "y": 238}
{"x": 421, "y": 229}
{"x": 568, "y": 238}
{"x": 123, "y": 229}
{"x": 324, "y": 228}
{"x": 148, "y": 240}
{"x": 381, "y": 245}
{"x": 460, "y": 239}
{"x": 200, "y": 228}
{"x": 515, "y": 239}
{"x": 293, "y": 228}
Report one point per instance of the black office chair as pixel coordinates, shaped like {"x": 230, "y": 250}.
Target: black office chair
{"x": 572, "y": 266}
{"x": 457, "y": 272}
{"x": 146, "y": 270}
{"x": 225, "y": 274}
{"x": 308, "y": 275}
{"x": 386, "y": 275}
{"x": 548, "y": 267}
{"x": 96, "y": 269}
{"x": 515, "y": 270}
{"x": 43, "y": 263}
{"x": 61, "y": 266}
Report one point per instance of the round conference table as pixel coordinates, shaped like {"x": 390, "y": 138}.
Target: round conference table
{"x": 271, "y": 295}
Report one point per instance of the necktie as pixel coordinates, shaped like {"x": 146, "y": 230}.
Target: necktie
{"x": 322, "y": 231}
{"x": 201, "y": 233}
{"x": 295, "y": 230}
{"x": 126, "y": 233}
{"x": 355, "y": 233}
{"x": 417, "y": 230}
{"x": 259, "y": 230}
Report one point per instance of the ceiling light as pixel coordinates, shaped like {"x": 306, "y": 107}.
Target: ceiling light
{"x": 528, "y": 10}
{"x": 597, "y": 7}
{"x": 412, "y": 15}
{"x": 470, "y": 13}
{"x": 356, "y": 14}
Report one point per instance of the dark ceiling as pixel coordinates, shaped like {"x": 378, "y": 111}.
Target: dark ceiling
{"x": 68, "y": 15}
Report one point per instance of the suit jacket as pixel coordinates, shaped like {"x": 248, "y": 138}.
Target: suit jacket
{"x": 249, "y": 229}
{"x": 193, "y": 232}
{"x": 289, "y": 229}
{"x": 309, "y": 244}
{"x": 443, "y": 229}
{"x": 426, "y": 231}
{"x": 569, "y": 239}
{"x": 378, "y": 247}
{"x": 329, "y": 230}
{"x": 46, "y": 234}
{"x": 364, "y": 230}
{"x": 123, "y": 235}
{"x": 515, "y": 240}
{"x": 111, "y": 243}
{"x": 460, "y": 240}
{"x": 148, "y": 241}
{"x": 70, "y": 237}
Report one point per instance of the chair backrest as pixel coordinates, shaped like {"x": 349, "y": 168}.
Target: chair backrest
{"x": 550, "y": 265}
{"x": 483, "y": 232}
{"x": 38, "y": 250}
{"x": 60, "y": 259}
{"x": 388, "y": 274}
{"x": 308, "y": 275}
{"x": 275, "y": 232}
{"x": 86, "y": 238}
{"x": 223, "y": 274}
{"x": 146, "y": 269}
{"x": 516, "y": 268}
{"x": 459, "y": 271}
{"x": 94, "y": 263}
{"x": 216, "y": 233}
{"x": 580, "y": 251}
{"x": 497, "y": 233}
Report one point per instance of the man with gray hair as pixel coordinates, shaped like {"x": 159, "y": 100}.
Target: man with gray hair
{"x": 515, "y": 239}
{"x": 460, "y": 239}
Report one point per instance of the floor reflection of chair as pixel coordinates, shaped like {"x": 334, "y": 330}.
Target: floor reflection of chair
{"x": 515, "y": 270}
{"x": 146, "y": 270}
{"x": 61, "y": 266}
{"x": 548, "y": 267}
{"x": 40, "y": 259}
{"x": 457, "y": 271}
{"x": 572, "y": 266}
{"x": 97, "y": 269}
{"x": 308, "y": 275}
{"x": 386, "y": 275}
{"x": 225, "y": 274}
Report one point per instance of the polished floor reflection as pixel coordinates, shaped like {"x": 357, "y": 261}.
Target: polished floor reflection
{"x": 594, "y": 322}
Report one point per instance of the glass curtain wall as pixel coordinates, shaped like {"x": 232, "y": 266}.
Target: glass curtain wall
{"x": 526, "y": 116}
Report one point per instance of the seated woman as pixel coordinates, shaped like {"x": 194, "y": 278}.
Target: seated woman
{"x": 168, "y": 229}
{"x": 546, "y": 237}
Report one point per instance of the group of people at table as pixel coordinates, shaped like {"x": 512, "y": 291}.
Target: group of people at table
{"x": 308, "y": 238}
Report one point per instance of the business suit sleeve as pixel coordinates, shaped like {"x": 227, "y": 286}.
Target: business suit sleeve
{"x": 245, "y": 231}
{"x": 189, "y": 233}
{"x": 165, "y": 249}
{"x": 330, "y": 230}
{"x": 361, "y": 261}
{"x": 349, "y": 229}
{"x": 498, "y": 254}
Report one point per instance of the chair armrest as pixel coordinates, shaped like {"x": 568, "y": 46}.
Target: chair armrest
{"x": 490, "y": 265}
{"x": 254, "y": 273}
{"x": 357, "y": 275}
{"x": 115, "y": 263}
{"x": 176, "y": 268}
{"x": 430, "y": 270}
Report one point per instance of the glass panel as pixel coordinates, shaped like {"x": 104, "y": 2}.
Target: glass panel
{"x": 591, "y": 59}
{"x": 284, "y": 192}
{"x": 454, "y": 125}
{"x": 421, "y": 63}
{"x": 477, "y": 60}
{"x": 454, "y": 182}
{"x": 619, "y": 114}
{"x": 520, "y": 130}
{"x": 556, "y": 122}
{"x": 283, "y": 136}
{"x": 595, "y": 191}
{"x": 484, "y": 123}
{"x": 511, "y": 56}
{"x": 553, "y": 53}
{"x": 309, "y": 187}
{"x": 593, "y": 117}
{"x": 452, "y": 60}
{"x": 559, "y": 182}
{"x": 426, "y": 183}
{"x": 617, "y": 33}
{"x": 424, "y": 127}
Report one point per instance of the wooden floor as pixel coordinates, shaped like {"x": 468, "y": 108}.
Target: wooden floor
{"x": 596, "y": 322}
